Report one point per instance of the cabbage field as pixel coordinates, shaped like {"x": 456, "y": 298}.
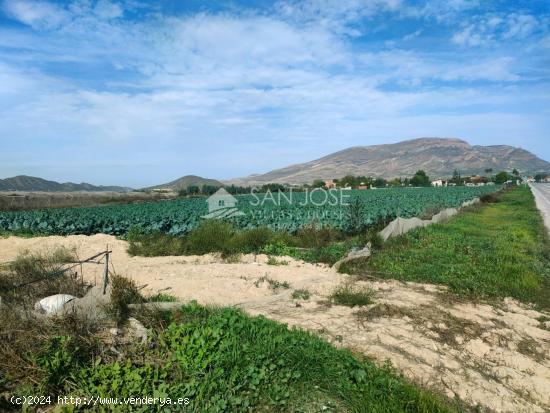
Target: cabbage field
{"x": 177, "y": 217}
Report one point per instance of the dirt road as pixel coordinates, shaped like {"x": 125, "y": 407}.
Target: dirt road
{"x": 542, "y": 197}
{"x": 496, "y": 357}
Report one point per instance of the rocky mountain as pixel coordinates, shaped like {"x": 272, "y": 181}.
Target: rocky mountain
{"x": 186, "y": 181}
{"x": 31, "y": 183}
{"x": 439, "y": 157}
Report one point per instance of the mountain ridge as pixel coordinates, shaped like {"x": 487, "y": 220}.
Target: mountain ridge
{"x": 185, "y": 182}
{"x": 439, "y": 157}
{"x": 34, "y": 184}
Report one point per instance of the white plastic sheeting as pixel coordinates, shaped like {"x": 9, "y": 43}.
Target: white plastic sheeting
{"x": 53, "y": 303}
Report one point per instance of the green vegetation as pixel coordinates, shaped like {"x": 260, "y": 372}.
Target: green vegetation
{"x": 352, "y": 295}
{"x": 301, "y": 294}
{"x": 225, "y": 361}
{"x": 310, "y": 243}
{"x": 273, "y": 284}
{"x": 278, "y": 211}
{"x": 420, "y": 179}
{"x": 498, "y": 249}
{"x": 220, "y": 359}
{"x": 162, "y": 298}
{"x": 275, "y": 261}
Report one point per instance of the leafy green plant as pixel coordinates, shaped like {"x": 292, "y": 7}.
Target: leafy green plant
{"x": 225, "y": 361}
{"x": 180, "y": 216}
{"x": 56, "y": 361}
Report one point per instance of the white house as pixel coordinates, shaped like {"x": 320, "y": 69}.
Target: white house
{"x": 439, "y": 182}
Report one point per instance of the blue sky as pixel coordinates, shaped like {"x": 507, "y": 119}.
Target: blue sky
{"x": 138, "y": 93}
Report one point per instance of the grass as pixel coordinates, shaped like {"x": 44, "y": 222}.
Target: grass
{"x": 273, "y": 284}
{"x": 352, "y": 295}
{"x": 311, "y": 243}
{"x": 301, "y": 294}
{"x": 226, "y": 361}
{"x": 274, "y": 261}
{"x": 497, "y": 249}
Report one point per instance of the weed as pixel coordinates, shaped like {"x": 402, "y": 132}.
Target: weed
{"x": 352, "y": 295}
{"x": 225, "y": 361}
{"x": 123, "y": 292}
{"x": 301, "y": 294}
{"x": 162, "y": 298}
{"x": 273, "y": 284}
{"x": 274, "y": 261}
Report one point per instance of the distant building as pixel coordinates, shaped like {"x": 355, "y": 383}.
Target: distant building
{"x": 329, "y": 184}
{"x": 362, "y": 187}
{"x": 439, "y": 182}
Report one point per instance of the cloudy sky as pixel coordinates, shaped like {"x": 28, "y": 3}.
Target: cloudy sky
{"x": 138, "y": 92}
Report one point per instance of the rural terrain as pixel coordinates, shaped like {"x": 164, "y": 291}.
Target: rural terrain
{"x": 460, "y": 308}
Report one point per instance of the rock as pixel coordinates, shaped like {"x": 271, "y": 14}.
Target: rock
{"x": 54, "y": 303}
{"x": 137, "y": 330}
{"x": 354, "y": 254}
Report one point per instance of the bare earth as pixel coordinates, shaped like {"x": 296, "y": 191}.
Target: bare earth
{"x": 495, "y": 357}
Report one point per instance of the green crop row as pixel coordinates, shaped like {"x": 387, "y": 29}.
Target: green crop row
{"x": 277, "y": 211}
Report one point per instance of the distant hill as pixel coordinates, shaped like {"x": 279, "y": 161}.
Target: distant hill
{"x": 439, "y": 157}
{"x": 31, "y": 183}
{"x": 186, "y": 181}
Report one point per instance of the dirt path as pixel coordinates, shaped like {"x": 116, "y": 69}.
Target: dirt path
{"x": 542, "y": 198}
{"x": 495, "y": 357}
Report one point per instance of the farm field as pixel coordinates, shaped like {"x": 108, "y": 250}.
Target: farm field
{"x": 177, "y": 217}
{"x": 491, "y": 356}
{"x": 23, "y": 200}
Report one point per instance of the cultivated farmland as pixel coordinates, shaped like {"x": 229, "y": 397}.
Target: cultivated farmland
{"x": 177, "y": 217}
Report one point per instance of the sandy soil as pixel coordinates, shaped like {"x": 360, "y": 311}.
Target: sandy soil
{"x": 494, "y": 357}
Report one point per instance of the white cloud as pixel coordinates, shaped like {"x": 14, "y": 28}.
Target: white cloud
{"x": 38, "y": 14}
{"x": 489, "y": 29}
{"x": 244, "y": 84}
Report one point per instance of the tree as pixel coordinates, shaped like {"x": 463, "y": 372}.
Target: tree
{"x": 379, "y": 182}
{"x": 348, "y": 180}
{"x": 502, "y": 177}
{"x": 209, "y": 189}
{"x": 318, "y": 183}
{"x": 488, "y": 171}
{"x": 456, "y": 177}
{"x": 193, "y": 189}
{"x": 420, "y": 179}
{"x": 539, "y": 177}
{"x": 515, "y": 172}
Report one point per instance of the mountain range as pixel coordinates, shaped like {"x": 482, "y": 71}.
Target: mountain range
{"x": 438, "y": 157}
{"x": 31, "y": 183}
